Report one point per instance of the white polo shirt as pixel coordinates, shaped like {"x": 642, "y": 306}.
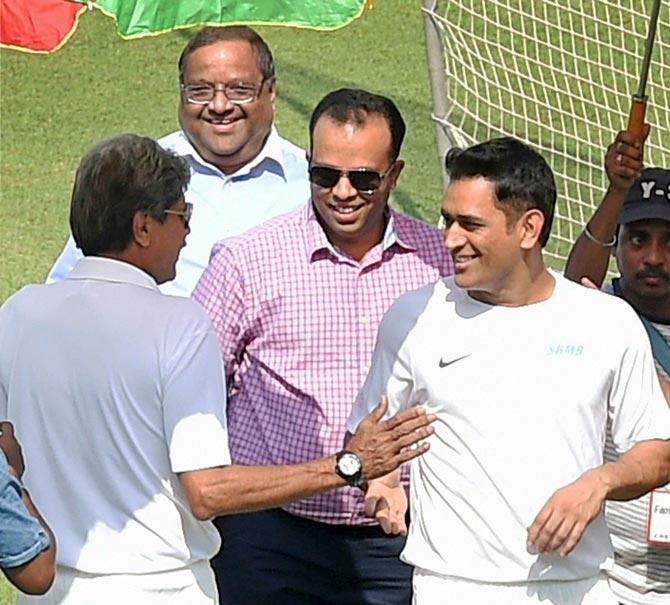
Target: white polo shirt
{"x": 113, "y": 388}
{"x": 522, "y": 396}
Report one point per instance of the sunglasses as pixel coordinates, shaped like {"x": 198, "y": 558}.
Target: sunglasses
{"x": 361, "y": 179}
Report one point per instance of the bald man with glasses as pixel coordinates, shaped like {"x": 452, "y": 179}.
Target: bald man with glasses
{"x": 242, "y": 171}
{"x": 296, "y": 303}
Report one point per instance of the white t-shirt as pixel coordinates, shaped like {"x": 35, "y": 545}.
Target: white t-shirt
{"x": 522, "y": 396}
{"x": 113, "y": 388}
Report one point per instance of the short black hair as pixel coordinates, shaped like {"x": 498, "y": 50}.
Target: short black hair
{"x": 117, "y": 178}
{"x": 523, "y": 180}
{"x": 354, "y": 106}
{"x": 231, "y": 33}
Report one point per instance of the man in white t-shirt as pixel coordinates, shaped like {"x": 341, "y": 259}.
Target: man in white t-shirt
{"x": 117, "y": 393}
{"x": 523, "y": 369}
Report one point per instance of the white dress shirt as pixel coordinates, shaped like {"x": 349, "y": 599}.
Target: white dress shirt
{"x": 223, "y": 205}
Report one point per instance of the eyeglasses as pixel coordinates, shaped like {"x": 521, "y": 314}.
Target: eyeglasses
{"x": 185, "y": 214}
{"x": 362, "y": 179}
{"x": 239, "y": 93}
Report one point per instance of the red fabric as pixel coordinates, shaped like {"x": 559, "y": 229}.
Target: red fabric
{"x": 39, "y": 25}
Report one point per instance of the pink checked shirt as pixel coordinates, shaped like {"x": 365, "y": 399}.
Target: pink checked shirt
{"x": 297, "y": 322}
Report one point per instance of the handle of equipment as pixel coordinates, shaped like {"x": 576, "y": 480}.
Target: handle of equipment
{"x": 638, "y": 109}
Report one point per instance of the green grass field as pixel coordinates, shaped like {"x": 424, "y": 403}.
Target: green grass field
{"x": 6, "y": 593}
{"x": 54, "y": 107}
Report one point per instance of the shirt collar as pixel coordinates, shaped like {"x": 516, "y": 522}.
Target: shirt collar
{"x": 112, "y": 270}
{"x": 271, "y": 152}
{"x": 398, "y": 233}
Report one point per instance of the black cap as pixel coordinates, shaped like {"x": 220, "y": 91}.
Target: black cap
{"x": 648, "y": 197}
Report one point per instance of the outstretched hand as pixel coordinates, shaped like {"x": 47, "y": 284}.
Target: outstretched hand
{"x": 623, "y": 160}
{"x": 561, "y": 523}
{"x": 383, "y": 445}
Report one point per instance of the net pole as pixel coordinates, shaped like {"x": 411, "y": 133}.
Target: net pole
{"x": 438, "y": 82}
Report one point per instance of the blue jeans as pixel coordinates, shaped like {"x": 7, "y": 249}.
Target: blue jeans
{"x": 274, "y": 558}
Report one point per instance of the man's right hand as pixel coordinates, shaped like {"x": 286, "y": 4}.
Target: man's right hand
{"x": 383, "y": 445}
{"x": 11, "y": 447}
{"x": 387, "y": 503}
{"x": 623, "y": 160}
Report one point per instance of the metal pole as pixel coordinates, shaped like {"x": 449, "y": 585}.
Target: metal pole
{"x": 438, "y": 81}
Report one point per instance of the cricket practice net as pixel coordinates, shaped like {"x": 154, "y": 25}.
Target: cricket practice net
{"x": 558, "y": 74}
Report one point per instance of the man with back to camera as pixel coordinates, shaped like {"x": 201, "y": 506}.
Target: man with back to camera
{"x": 296, "y": 303}
{"x": 242, "y": 171}
{"x": 633, "y": 223}
{"x": 118, "y": 394}
{"x": 523, "y": 369}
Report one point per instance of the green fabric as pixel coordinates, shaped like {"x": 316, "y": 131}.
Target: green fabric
{"x": 141, "y": 17}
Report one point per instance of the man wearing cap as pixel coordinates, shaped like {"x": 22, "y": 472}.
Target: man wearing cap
{"x": 242, "y": 171}
{"x": 633, "y": 223}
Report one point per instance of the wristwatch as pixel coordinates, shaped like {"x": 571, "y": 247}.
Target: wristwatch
{"x": 349, "y": 467}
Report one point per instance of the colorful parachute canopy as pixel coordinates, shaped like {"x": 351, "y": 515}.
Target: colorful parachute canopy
{"x": 38, "y": 25}
{"x": 45, "y": 25}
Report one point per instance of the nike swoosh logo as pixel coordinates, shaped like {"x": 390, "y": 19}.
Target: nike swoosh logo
{"x": 444, "y": 364}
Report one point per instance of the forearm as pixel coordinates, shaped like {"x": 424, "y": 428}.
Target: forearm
{"x": 380, "y": 445}
{"x": 37, "y": 575}
{"x": 32, "y": 509}
{"x": 590, "y": 259}
{"x": 238, "y": 488}
{"x": 642, "y": 468}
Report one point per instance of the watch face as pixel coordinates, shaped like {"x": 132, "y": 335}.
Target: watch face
{"x": 349, "y": 464}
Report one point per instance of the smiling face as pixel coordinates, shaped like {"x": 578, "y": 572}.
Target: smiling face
{"x": 643, "y": 256}
{"x": 353, "y": 221}
{"x": 227, "y": 135}
{"x": 489, "y": 249}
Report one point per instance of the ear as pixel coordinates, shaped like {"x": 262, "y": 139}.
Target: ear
{"x": 142, "y": 227}
{"x": 530, "y": 227}
{"x": 272, "y": 90}
{"x": 397, "y": 169}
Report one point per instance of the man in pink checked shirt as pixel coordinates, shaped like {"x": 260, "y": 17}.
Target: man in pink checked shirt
{"x": 296, "y": 303}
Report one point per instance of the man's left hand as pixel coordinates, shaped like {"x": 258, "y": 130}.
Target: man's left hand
{"x": 561, "y": 523}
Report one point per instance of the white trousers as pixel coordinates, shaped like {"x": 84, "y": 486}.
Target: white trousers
{"x": 192, "y": 585}
{"x": 433, "y": 589}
